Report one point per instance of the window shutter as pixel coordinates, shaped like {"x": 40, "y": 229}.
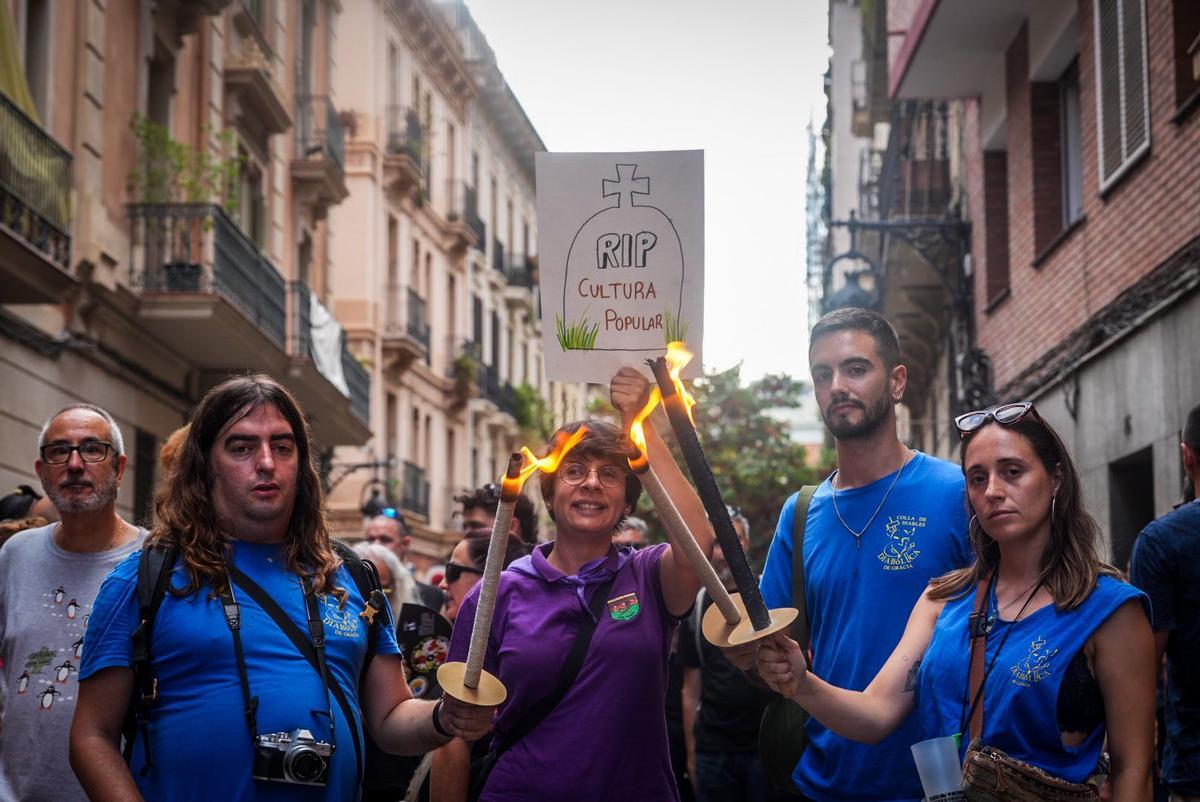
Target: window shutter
{"x": 1121, "y": 90}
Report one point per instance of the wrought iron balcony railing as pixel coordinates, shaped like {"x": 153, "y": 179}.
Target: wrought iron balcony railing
{"x": 474, "y": 221}
{"x": 519, "y": 271}
{"x": 497, "y": 256}
{"x": 406, "y": 135}
{"x": 319, "y": 130}
{"x": 418, "y": 321}
{"x": 414, "y": 492}
{"x": 910, "y": 180}
{"x": 300, "y": 341}
{"x": 35, "y": 185}
{"x": 196, "y": 248}
{"x": 358, "y": 381}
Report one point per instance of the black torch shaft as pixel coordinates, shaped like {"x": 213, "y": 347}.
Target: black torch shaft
{"x": 710, "y": 496}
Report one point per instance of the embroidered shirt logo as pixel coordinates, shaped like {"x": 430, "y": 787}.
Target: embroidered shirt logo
{"x": 1035, "y": 666}
{"x": 624, "y": 608}
{"x": 341, "y": 621}
{"x": 901, "y": 550}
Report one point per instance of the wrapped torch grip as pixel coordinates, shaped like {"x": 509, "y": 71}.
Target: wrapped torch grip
{"x": 710, "y": 496}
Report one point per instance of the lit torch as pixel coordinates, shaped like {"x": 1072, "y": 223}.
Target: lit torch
{"x": 468, "y": 681}
{"x": 759, "y": 621}
{"x": 718, "y": 627}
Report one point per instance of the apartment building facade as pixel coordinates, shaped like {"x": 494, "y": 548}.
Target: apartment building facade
{"x": 438, "y": 282}
{"x": 1066, "y": 182}
{"x": 165, "y": 191}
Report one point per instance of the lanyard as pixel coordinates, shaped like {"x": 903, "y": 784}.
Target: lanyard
{"x": 316, "y": 631}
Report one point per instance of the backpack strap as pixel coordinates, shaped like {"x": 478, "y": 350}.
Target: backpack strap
{"x": 366, "y": 579}
{"x": 800, "y": 631}
{"x": 153, "y": 576}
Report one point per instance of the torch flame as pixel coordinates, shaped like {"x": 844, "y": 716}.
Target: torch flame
{"x": 549, "y": 463}
{"x": 678, "y": 356}
{"x": 637, "y": 432}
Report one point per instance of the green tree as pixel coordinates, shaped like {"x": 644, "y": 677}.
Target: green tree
{"x": 756, "y": 463}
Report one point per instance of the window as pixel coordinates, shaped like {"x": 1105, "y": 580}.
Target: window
{"x": 995, "y": 219}
{"x": 1072, "y": 146}
{"x": 1122, "y": 104}
{"x": 252, "y": 207}
{"x": 36, "y": 39}
{"x": 1186, "y": 20}
{"x": 160, "y": 86}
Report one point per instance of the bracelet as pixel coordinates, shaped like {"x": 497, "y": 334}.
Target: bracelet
{"x": 437, "y": 720}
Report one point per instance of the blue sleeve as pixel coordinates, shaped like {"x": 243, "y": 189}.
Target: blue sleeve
{"x": 776, "y": 582}
{"x": 108, "y": 640}
{"x": 386, "y": 643}
{"x": 1150, "y": 570}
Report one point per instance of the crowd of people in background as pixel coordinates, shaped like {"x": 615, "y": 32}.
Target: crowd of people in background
{"x": 231, "y": 649}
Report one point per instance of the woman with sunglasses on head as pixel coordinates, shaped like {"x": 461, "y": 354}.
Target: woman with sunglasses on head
{"x": 603, "y": 738}
{"x": 1062, "y": 655}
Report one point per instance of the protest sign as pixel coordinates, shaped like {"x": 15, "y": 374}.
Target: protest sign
{"x": 620, "y": 259}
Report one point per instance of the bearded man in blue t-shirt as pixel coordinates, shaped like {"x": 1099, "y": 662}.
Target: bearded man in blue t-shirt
{"x": 887, "y": 521}
{"x": 239, "y": 711}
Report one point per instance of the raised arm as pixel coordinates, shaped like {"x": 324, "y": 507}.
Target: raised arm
{"x": 629, "y": 391}
{"x": 867, "y": 716}
{"x": 1125, "y": 668}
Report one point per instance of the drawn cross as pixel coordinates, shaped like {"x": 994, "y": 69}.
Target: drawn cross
{"x": 626, "y": 185}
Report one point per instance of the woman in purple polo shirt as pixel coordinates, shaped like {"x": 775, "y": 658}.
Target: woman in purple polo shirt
{"x": 607, "y": 738}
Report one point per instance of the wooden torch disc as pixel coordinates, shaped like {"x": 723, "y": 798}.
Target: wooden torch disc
{"x": 714, "y": 626}
{"x": 745, "y": 632}
{"x": 490, "y": 692}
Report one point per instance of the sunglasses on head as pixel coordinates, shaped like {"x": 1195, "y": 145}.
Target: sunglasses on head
{"x": 1004, "y": 414}
{"x": 455, "y": 570}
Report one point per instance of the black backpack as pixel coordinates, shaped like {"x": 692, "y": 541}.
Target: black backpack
{"x": 153, "y": 576}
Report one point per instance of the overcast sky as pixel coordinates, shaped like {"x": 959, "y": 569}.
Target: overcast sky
{"x": 739, "y": 80}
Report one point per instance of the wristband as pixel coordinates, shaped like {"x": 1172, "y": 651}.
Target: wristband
{"x": 437, "y": 720}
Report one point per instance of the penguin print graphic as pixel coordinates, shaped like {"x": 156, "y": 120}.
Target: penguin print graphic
{"x": 59, "y": 593}
{"x": 46, "y": 698}
{"x": 72, "y": 609}
{"x": 63, "y": 672}
{"x": 78, "y": 647}
{"x": 23, "y": 683}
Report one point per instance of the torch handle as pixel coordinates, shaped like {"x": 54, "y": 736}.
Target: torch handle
{"x": 682, "y": 537}
{"x": 710, "y": 496}
{"x": 482, "y": 628}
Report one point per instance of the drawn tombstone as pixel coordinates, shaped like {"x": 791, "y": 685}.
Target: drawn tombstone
{"x": 624, "y": 277}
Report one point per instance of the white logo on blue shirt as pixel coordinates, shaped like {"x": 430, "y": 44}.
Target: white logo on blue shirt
{"x": 341, "y": 621}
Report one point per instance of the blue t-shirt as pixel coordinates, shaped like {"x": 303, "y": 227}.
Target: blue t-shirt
{"x": 859, "y": 598}
{"x": 200, "y": 742}
{"x": 1166, "y": 564}
{"x": 1020, "y": 695}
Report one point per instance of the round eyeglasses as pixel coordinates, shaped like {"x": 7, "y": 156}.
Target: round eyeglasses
{"x": 58, "y": 453}
{"x": 576, "y": 473}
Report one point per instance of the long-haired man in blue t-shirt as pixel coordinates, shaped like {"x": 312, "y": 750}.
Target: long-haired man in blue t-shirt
{"x": 887, "y": 521}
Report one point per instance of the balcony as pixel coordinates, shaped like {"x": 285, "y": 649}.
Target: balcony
{"x": 414, "y": 491}
{"x": 404, "y": 158}
{"x": 318, "y": 168}
{"x": 250, "y": 84}
{"x": 207, "y": 291}
{"x": 35, "y": 194}
{"x": 405, "y": 329}
{"x": 189, "y": 14}
{"x": 474, "y": 221}
{"x": 520, "y": 274}
{"x": 910, "y": 180}
{"x": 460, "y": 234}
{"x": 333, "y": 394}
{"x": 498, "y": 263}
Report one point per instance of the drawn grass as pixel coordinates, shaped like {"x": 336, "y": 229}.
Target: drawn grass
{"x": 674, "y": 329}
{"x": 579, "y": 336}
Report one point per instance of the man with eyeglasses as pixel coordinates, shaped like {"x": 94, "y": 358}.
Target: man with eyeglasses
{"x": 887, "y": 521}
{"x": 49, "y": 577}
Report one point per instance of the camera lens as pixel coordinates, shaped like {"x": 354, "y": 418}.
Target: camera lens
{"x": 303, "y": 764}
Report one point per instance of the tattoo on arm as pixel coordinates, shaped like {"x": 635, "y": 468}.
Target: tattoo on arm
{"x": 910, "y": 682}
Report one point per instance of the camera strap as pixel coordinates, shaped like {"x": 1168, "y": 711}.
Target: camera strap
{"x": 316, "y": 631}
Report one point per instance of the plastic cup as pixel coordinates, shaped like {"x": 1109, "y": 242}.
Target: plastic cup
{"x": 939, "y": 769}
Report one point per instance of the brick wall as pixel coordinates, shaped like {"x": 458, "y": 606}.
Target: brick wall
{"x": 1150, "y": 213}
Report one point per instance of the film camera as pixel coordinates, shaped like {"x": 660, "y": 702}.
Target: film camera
{"x": 292, "y": 757}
